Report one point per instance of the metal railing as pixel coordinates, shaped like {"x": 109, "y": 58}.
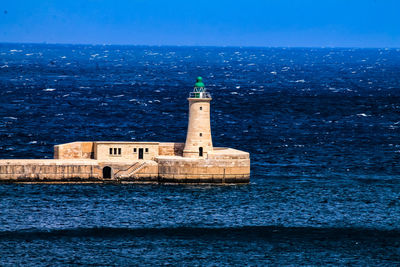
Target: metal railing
{"x": 199, "y": 95}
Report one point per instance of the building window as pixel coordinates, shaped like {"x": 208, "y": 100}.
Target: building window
{"x": 201, "y": 108}
{"x": 201, "y": 134}
{"x": 135, "y": 150}
{"x": 114, "y": 151}
{"x": 146, "y": 150}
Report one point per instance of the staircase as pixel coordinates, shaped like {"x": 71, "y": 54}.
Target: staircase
{"x": 137, "y": 166}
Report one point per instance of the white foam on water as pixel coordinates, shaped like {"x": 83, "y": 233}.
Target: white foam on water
{"x": 49, "y": 89}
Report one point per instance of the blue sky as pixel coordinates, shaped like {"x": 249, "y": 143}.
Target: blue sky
{"x": 293, "y": 23}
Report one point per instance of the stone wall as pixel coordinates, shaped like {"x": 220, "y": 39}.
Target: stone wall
{"x": 171, "y": 149}
{"x": 204, "y": 170}
{"x": 74, "y": 150}
{"x": 51, "y": 170}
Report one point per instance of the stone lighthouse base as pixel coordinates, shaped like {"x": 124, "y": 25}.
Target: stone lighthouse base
{"x": 128, "y": 162}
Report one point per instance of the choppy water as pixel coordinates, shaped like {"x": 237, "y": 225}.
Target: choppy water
{"x": 322, "y": 127}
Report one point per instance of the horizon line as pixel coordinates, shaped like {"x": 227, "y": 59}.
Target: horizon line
{"x": 220, "y": 46}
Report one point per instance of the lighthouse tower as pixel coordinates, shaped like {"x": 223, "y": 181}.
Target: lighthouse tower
{"x": 198, "y": 139}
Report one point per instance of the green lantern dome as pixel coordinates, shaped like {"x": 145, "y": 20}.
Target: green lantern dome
{"x": 199, "y": 91}
{"x": 199, "y": 82}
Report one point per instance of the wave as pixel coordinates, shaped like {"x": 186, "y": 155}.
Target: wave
{"x": 242, "y": 233}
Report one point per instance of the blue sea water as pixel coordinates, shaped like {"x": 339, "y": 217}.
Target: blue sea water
{"x": 321, "y": 125}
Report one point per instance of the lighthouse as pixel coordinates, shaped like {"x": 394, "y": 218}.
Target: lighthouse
{"x": 198, "y": 139}
{"x": 195, "y": 161}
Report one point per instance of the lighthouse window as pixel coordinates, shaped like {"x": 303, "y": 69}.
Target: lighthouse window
{"x": 119, "y": 151}
{"x": 146, "y": 150}
{"x": 134, "y": 150}
{"x": 201, "y": 108}
{"x": 110, "y": 151}
{"x": 115, "y": 151}
{"x": 201, "y": 134}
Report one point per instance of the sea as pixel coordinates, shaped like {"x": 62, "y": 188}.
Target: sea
{"x": 321, "y": 126}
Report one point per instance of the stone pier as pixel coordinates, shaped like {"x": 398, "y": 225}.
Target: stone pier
{"x": 195, "y": 161}
{"x": 161, "y": 162}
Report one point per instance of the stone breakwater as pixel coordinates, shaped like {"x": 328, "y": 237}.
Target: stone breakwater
{"x": 195, "y": 161}
{"x": 157, "y": 162}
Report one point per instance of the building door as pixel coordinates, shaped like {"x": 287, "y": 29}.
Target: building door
{"x": 200, "y": 151}
{"x": 107, "y": 172}
{"x": 140, "y": 153}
